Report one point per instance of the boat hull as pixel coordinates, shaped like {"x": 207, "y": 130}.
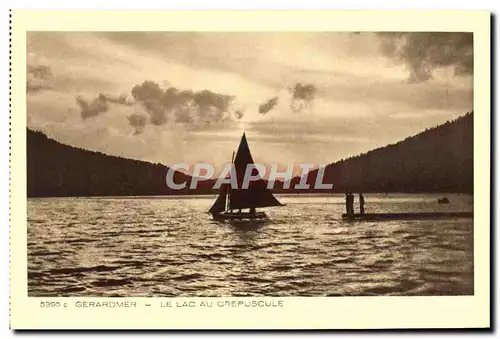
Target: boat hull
{"x": 407, "y": 216}
{"x": 241, "y": 216}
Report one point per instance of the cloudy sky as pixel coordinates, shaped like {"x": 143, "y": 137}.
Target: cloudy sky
{"x": 188, "y": 97}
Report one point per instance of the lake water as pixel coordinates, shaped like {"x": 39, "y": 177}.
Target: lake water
{"x": 164, "y": 246}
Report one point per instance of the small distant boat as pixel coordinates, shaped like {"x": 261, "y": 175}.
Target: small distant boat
{"x": 443, "y": 200}
{"x": 231, "y": 202}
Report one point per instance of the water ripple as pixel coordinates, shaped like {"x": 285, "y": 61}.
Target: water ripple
{"x": 170, "y": 247}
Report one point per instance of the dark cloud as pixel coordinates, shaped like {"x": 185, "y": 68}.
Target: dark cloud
{"x": 150, "y": 95}
{"x": 100, "y": 104}
{"x": 302, "y": 96}
{"x": 238, "y": 113}
{"x": 422, "y": 52}
{"x": 120, "y": 99}
{"x": 268, "y": 105}
{"x": 183, "y": 113}
{"x": 211, "y": 106}
{"x": 236, "y": 110}
{"x": 39, "y": 77}
{"x": 138, "y": 121}
{"x": 184, "y": 106}
{"x": 89, "y": 109}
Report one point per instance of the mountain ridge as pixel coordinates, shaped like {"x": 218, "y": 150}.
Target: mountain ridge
{"x": 439, "y": 159}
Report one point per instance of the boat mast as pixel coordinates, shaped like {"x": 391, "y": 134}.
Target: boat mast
{"x": 228, "y": 190}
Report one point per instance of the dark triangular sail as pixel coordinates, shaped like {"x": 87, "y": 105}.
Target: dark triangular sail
{"x": 220, "y": 204}
{"x": 257, "y": 194}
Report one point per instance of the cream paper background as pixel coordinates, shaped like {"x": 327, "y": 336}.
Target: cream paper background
{"x": 297, "y": 313}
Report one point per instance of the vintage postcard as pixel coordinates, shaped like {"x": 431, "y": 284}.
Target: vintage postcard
{"x": 250, "y": 170}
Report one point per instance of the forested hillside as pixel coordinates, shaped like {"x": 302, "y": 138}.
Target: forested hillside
{"x": 55, "y": 169}
{"x": 439, "y": 159}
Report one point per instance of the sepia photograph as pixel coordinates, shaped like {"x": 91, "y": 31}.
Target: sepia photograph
{"x": 250, "y": 164}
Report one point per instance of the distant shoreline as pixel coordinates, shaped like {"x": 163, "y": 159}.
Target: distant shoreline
{"x": 204, "y": 196}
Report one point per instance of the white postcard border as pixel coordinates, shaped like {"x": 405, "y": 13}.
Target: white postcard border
{"x": 296, "y": 312}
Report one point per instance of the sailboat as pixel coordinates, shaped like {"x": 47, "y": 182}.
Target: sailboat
{"x": 231, "y": 202}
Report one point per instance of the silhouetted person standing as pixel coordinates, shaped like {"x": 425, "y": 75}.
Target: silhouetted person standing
{"x": 349, "y": 203}
{"x": 361, "y": 204}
